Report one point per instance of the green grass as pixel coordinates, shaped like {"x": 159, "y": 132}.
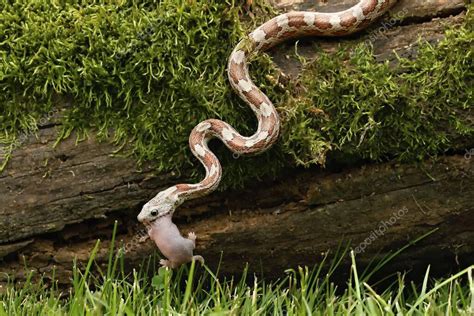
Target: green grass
{"x": 194, "y": 290}
{"x": 145, "y": 73}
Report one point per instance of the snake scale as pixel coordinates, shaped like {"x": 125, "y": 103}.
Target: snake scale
{"x": 156, "y": 214}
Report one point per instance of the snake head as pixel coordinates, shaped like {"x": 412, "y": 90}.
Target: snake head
{"x": 164, "y": 203}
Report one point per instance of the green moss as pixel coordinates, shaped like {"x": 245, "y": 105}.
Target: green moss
{"x": 372, "y": 110}
{"x": 150, "y": 71}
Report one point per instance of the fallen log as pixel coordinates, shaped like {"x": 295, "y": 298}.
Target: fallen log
{"x": 298, "y": 219}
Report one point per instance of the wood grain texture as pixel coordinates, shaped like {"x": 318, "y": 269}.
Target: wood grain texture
{"x": 298, "y": 219}
{"x": 45, "y": 188}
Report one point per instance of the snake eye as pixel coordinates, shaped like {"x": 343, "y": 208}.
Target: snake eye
{"x": 154, "y": 213}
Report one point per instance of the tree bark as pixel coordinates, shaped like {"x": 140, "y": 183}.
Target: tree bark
{"x": 56, "y": 201}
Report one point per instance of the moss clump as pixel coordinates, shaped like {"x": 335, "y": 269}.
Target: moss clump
{"x": 374, "y": 111}
{"x": 150, "y": 71}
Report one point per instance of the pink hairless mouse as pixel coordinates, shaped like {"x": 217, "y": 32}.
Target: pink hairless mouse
{"x": 172, "y": 245}
{"x": 156, "y": 215}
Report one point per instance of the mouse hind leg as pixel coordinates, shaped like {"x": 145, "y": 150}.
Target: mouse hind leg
{"x": 168, "y": 264}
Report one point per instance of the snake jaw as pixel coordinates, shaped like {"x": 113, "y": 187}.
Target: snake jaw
{"x": 163, "y": 204}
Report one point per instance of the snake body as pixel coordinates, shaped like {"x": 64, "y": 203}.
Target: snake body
{"x": 283, "y": 27}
